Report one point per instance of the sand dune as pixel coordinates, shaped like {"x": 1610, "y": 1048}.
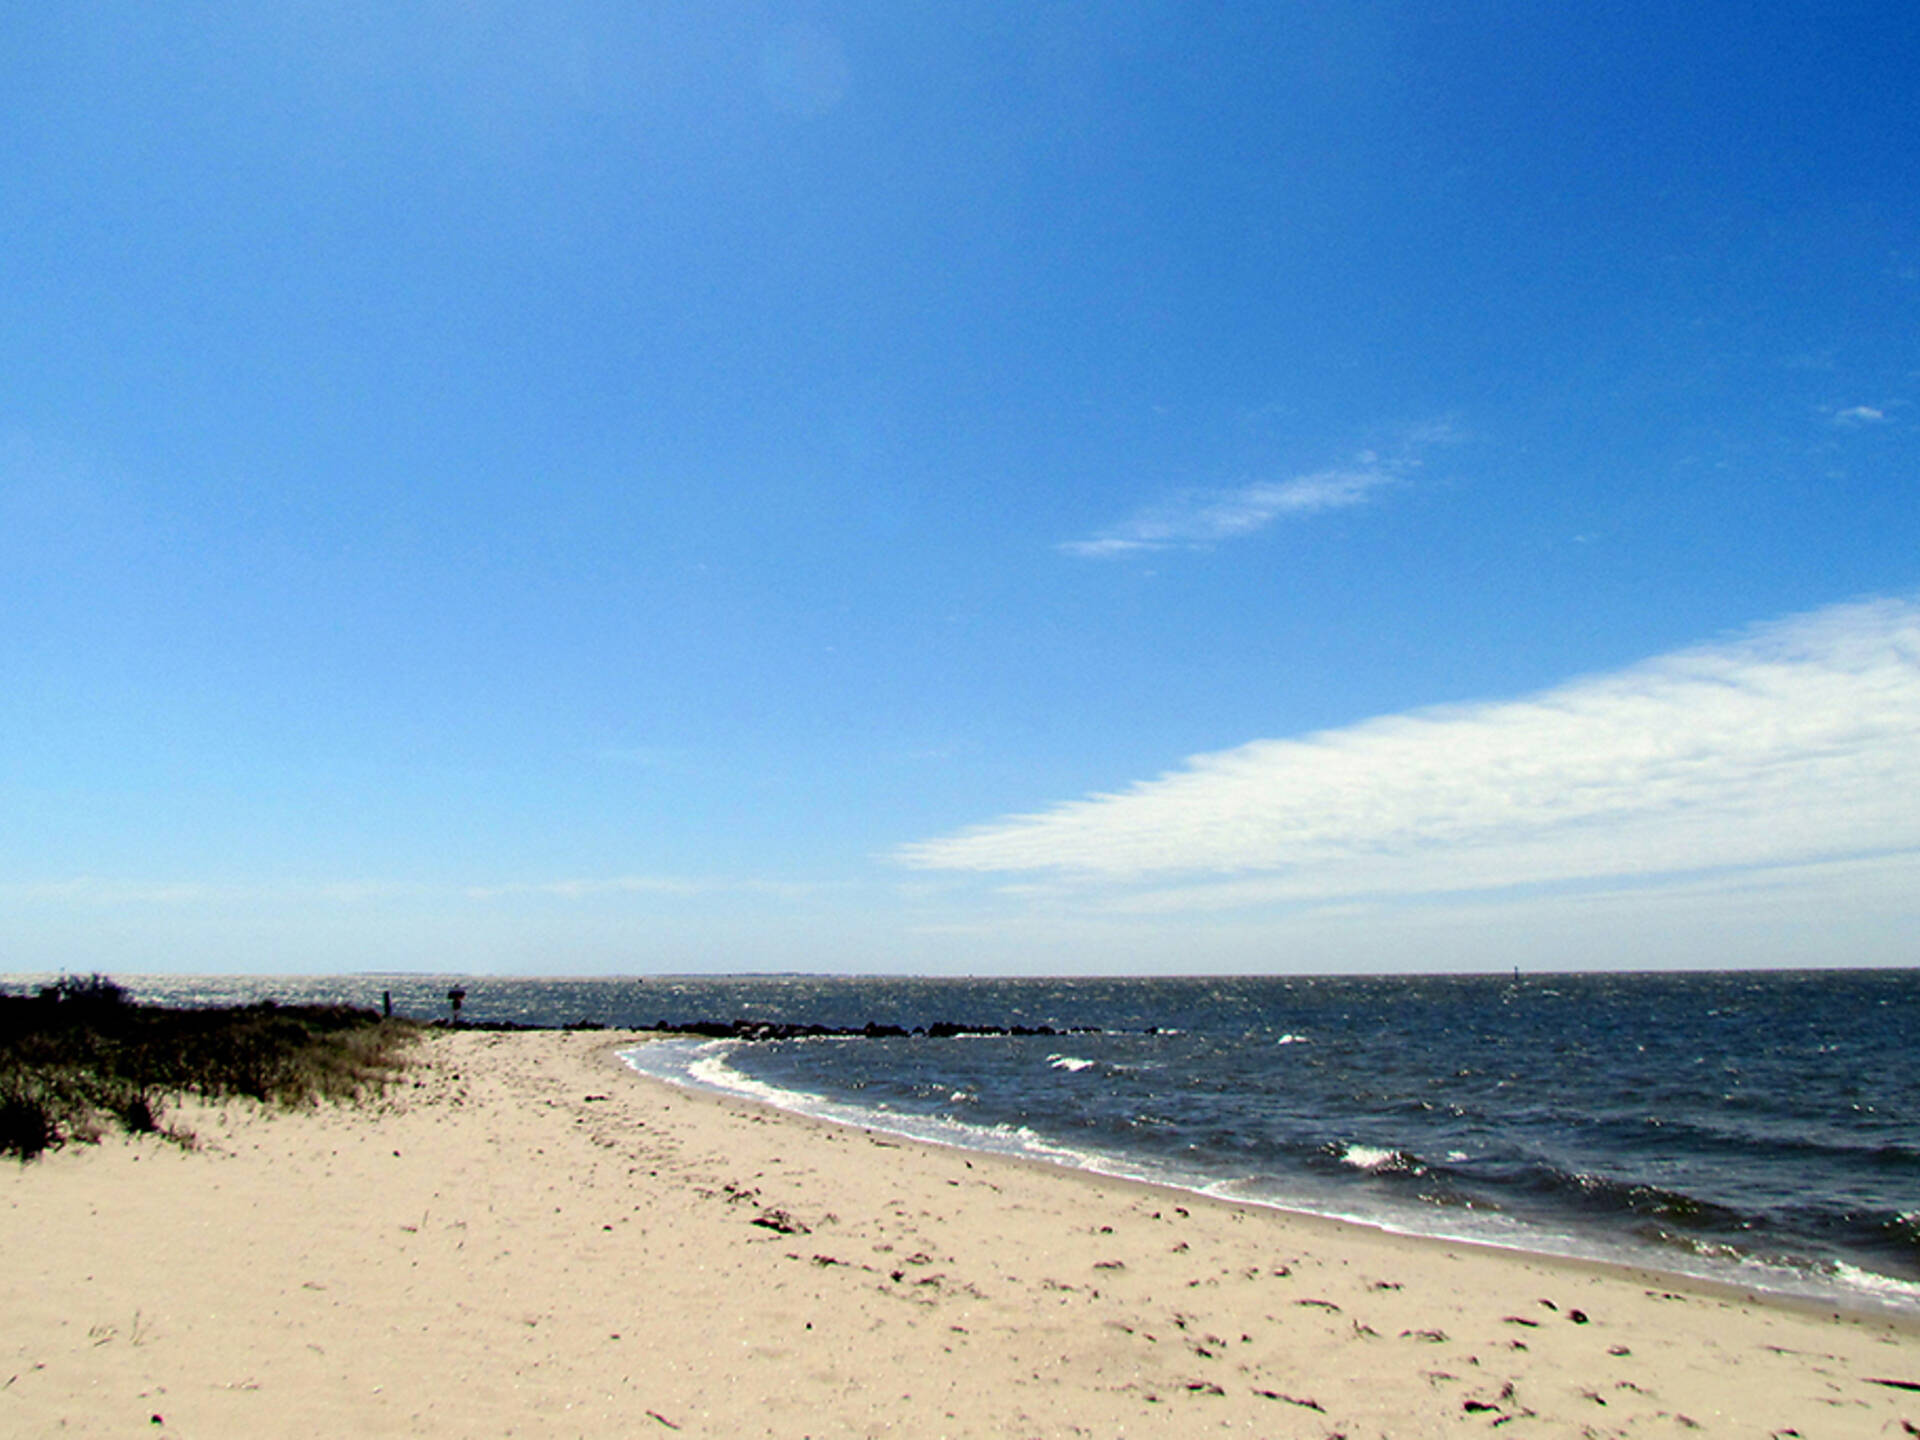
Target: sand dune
{"x": 526, "y": 1239}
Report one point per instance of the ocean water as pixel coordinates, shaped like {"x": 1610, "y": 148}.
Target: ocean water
{"x": 1758, "y": 1128}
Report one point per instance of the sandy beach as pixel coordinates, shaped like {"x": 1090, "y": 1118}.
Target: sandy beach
{"x": 524, "y": 1238}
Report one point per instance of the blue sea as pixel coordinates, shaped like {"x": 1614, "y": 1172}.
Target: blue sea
{"x": 1757, "y": 1128}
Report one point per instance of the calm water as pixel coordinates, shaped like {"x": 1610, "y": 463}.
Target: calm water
{"x": 1761, "y": 1127}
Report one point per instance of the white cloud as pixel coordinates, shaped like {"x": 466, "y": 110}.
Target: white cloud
{"x": 1798, "y": 742}
{"x": 1857, "y": 415}
{"x": 1197, "y": 518}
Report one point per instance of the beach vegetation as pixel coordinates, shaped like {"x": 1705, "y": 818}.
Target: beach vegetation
{"x": 80, "y": 1057}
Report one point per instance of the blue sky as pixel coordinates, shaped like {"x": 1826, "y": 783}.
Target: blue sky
{"x": 616, "y": 488}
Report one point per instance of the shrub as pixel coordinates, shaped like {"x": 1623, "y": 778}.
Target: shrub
{"x": 82, "y": 1052}
{"x": 26, "y": 1128}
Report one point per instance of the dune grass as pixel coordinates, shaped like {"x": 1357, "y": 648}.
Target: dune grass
{"x": 81, "y": 1057}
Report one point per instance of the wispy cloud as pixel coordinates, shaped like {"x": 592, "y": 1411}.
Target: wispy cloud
{"x": 1855, "y": 416}
{"x": 587, "y": 887}
{"x": 99, "y": 891}
{"x": 591, "y": 887}
{"x": 1198, "y": 518}
{"x": 91, "y": 891}
{"x": 1790, "y": 744}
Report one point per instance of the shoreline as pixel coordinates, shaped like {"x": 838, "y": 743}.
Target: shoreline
{"x": 1810, "y": 1294}
{"x": 1707, "y": 1286}
{"x": 511, "y": 1243}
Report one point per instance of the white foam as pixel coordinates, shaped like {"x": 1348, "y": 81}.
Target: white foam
{"x": 704, "y": 1065}
{"x": 709, "y": 1067}
{"x": 1069, "y": 1062}
{"x": 1886, "y": 1286}
{"x": 1291, "y": 1039}
{"x": 1369, "y": 1157}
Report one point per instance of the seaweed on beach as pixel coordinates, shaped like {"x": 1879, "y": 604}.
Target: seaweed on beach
{"x": 81, "y": 1057}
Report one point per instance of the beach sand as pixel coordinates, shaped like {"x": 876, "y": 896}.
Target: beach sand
{"x": 524, "y": 1238}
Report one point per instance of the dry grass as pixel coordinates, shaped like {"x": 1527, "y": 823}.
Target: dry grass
{"x": 80, "y": 1057}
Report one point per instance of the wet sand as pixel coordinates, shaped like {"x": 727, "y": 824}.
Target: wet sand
{"x": 525, "y": 1238}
